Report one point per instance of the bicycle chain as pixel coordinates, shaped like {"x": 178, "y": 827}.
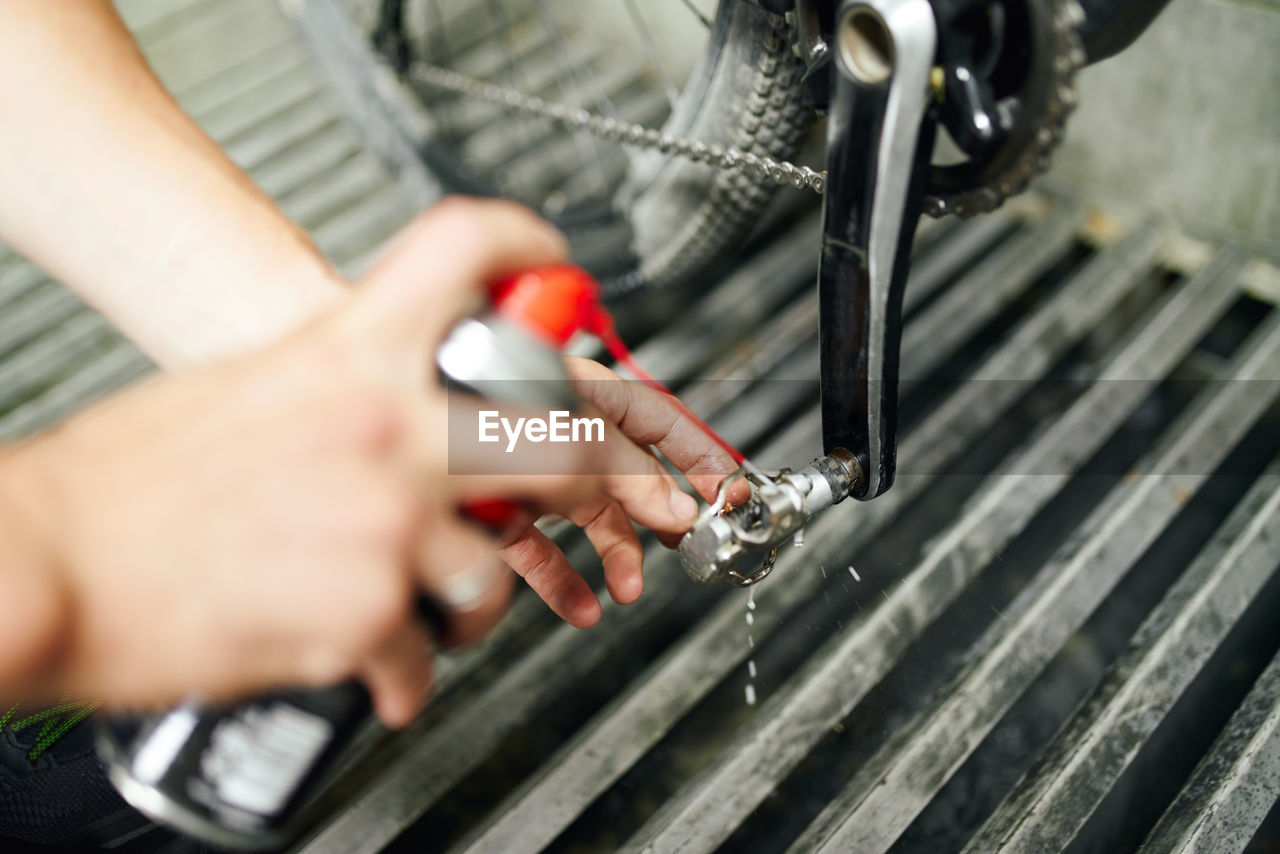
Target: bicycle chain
{"x": 1068, "y": 58}
{"x": 627, "y": 133}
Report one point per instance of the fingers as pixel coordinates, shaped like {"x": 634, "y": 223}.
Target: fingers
{"x": 648, "y": 417}
{"x": 483, "y": 464}
{"x": 474, "y": 602}
{"x": 614, "y": 539}
{"x": 398, "y": 675}
{"x": 646, "y": 491}
{"x": 552, "y": 493}
{"x": 541, "y": 563}
{"x": 460, "y": 572}
{"x": 437, "y": 268}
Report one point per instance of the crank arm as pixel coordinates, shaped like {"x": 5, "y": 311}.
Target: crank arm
{"x": 880, "y": 135}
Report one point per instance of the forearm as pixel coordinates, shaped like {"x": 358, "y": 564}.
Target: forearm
{"x": 108, "y": 185}
{"x": 33, "y": 606}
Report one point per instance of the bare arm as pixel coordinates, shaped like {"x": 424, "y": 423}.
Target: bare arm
{"x": 109, "y": 186}
{"x": 288, "y": 504}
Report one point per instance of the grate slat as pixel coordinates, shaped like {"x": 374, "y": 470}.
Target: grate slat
{"x": 43, "y": 309}
{"x": 116, "y": 364}
{"x": 257, "y": 105}
{"x": 742, "y": 302}
{"x": 277, "y": 56}
{"x": 958, "y": 251}
{"x": 18, "y": 279}
{"x": 309, "y": 160}
{"x": 235, "y": 31}
{"x": 985, "y": 289}
{"x": 1232, "y": 789}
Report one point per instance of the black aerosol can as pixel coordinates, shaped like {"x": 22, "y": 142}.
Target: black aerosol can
{"x": 238, "y": 776}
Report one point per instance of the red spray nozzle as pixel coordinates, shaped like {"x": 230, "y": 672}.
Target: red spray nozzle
{"x": 551, "y": 302}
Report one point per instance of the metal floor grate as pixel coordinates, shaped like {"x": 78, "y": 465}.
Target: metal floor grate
{"x": 1057, "y": 631}
{"x": 1081, "y": 516}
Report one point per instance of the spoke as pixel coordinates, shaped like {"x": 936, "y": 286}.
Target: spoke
{"x": 568, "y": 72}
{"x": 573, "y": 81}
{"x": 688, "y": 4}
{"x": 436, "y": 33}
{"x": 651, "y": 48}
{"x": 515, "y": 71}
{"x": 575, "y": 75}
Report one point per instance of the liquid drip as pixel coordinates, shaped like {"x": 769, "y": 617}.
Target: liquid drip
{"x": 799, "y": 539}
{"x": 751, "y": 644}
{"x": 854, "y": 573}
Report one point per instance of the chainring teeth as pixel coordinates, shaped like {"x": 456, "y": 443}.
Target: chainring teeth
{"x": 1069, "y": 57}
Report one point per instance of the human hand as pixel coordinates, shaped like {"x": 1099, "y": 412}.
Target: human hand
{"x": 271, "y": 521}
{"x": 636, "y": 486}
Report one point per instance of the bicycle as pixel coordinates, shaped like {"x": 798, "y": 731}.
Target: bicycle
{"x": 931, "y": 106}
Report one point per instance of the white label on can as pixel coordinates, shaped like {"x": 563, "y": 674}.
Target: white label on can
{"x": 257, "y": 759}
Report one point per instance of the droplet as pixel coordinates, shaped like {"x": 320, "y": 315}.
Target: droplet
{"x": 751, "y": 668}
{"x": 751, "y": 642}
{"x": 854, "y": 573}
{"x": 751, "y": 599}
{"x": 799, "y": 539}
{"x": 751, "y": 619}
{"x": 824, "y": 571}
{"x": 751, "y": 695}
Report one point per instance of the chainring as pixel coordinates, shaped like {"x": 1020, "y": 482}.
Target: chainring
{"x": 983, "y": 185}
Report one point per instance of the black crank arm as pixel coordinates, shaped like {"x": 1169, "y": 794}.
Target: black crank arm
{"x": 880, "y": 135}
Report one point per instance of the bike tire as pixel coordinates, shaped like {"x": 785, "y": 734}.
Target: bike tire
{"x": 670, "y": 218}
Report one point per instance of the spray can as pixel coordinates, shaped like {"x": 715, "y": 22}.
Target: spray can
{"x": 238, "y": 776}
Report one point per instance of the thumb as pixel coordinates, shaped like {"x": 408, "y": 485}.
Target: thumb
{"x": 439, "y": 267}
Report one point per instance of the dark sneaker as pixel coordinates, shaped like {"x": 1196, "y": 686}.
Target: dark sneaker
{"x": 55, "y": 796}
